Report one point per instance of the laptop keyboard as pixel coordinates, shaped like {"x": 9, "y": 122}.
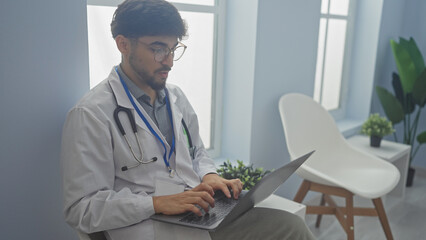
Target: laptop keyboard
{"x": 223, "y": 206}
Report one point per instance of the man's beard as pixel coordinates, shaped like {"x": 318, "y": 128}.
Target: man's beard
{"x": 146, "y": 77}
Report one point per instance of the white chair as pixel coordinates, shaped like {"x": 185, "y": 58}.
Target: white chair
{"x": 335, "y": 168}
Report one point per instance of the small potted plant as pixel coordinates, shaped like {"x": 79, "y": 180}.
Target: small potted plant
{"x": 248, "y": 175}
{"x": 377, "y": 127}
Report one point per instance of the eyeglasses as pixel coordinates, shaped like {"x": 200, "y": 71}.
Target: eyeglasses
{"x": 161, "y": 53}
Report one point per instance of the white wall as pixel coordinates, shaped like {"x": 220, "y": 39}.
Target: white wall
{"x": 363, "y": 59}
{"x": 240, "y": 49}
{"x": 287, "y": 36}
{"x": 43, "y": 71}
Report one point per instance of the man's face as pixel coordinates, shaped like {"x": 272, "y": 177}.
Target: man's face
{"x": 148, "y": 71}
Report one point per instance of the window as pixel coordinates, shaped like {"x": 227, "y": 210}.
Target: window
{"x": 333, "y": 54}
{"x": 197, "y": 73}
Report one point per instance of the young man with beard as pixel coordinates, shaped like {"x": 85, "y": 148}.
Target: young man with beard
{"x": 115, "y": 178}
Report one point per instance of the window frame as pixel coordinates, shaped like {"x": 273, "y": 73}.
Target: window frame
{"x": 219, "y": 11}
{"x": 340, "y": 111}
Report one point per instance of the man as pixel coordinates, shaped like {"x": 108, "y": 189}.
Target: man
{"x": 117, "y": 175}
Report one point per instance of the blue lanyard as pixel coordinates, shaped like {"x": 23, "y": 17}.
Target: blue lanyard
{"x": 169, "y": 110}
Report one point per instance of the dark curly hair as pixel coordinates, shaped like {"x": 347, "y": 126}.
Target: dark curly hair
{"x": 138, "y": 18}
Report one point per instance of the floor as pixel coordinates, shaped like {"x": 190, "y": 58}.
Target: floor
{"x": 407, "y": 216}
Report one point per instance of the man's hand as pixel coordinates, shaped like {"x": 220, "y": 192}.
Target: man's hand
{"x": 201, "y": 195}
{"x": 219, "y": 183}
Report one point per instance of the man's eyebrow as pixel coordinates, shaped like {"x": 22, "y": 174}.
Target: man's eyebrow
{"x": 162, "y": 44}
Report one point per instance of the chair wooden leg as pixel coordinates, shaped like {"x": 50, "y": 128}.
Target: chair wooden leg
{"x": 350, "y": 218}
{"x": 345, "y": 215}
{"x": 322, "y": 203}
{"x": 383, "y": 219}
{"x": 303, "y": 190}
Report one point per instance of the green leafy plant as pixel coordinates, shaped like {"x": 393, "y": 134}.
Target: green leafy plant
{"x": 409, "y": 92}
{"x": 377, "y": 126}
{"x": 247, "y": 174}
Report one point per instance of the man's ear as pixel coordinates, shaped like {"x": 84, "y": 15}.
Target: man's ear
{"x": 123, "y": 44}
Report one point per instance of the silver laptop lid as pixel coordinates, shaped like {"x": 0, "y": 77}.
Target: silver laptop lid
{"x": 263, "y": 189}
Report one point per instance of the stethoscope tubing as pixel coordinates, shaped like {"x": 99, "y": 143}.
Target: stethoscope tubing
{"x": 121, "y": 129}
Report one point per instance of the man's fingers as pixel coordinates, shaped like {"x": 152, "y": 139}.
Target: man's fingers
{"x": 203, "y": 199}
{"x": 236, "y": 186}
{"x": 239, "y": 187}
{"x": 225, "y": 190}
{"x": 204, "y": 187}
{"x": 235, "y": 189}
{"x": 206, "y": 196}
{"x": 183, "y": 202}
{"x": 194, "y": 209}
{"x": 203, "y": 204}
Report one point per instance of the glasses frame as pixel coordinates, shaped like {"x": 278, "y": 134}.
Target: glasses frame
{"x": 163, "y": 52}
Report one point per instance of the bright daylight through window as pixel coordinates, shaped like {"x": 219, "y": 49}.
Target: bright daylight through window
{"x": 195, "y": 73}
{"x": 333, "y": 52}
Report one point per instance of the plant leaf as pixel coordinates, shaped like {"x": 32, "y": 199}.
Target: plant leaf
{"x": 397, "y": 87}
{"x": 404, "y": 63}
{"x": 416, "y": 56}
{"x": 406, "y": 100}
{"x": 391, "y": 105}
{"x": 421, "y": 138}
{"x": 419, "y": 90}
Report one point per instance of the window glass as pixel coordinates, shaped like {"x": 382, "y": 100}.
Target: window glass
{"x": 333, "y": 63}
{"x": 335, "y": 28}
{"x": 324, "y": 6}
{"x": 339, "y": 7}
{"x": 103, "y": 53}
{"x": 193, "y": 72}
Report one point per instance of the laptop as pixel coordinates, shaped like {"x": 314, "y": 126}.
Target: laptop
{"x": 227, "y": 210}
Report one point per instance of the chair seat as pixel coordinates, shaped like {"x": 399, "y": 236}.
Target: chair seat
{"x": 361, "y": 173}
{"x": 374, "y": 183}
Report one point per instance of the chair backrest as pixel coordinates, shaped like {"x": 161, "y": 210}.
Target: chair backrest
{"x": 307, "y": 125}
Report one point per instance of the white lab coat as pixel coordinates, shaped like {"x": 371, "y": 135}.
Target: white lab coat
{"x": 98, "y": 195}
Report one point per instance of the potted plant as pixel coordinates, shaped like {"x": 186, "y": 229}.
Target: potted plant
{"x": 377, "y": 127}
{"x": 248, "y": 175}
{"x": 409, "y": 97}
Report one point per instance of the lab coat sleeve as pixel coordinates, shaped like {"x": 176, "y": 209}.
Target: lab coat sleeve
{"x": 90, "y": 203}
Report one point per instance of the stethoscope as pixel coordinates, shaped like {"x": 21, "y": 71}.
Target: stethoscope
{"x": 133, "y": 125}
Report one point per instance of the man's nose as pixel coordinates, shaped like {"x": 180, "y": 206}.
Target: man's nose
{"x": 168, "y": 60}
